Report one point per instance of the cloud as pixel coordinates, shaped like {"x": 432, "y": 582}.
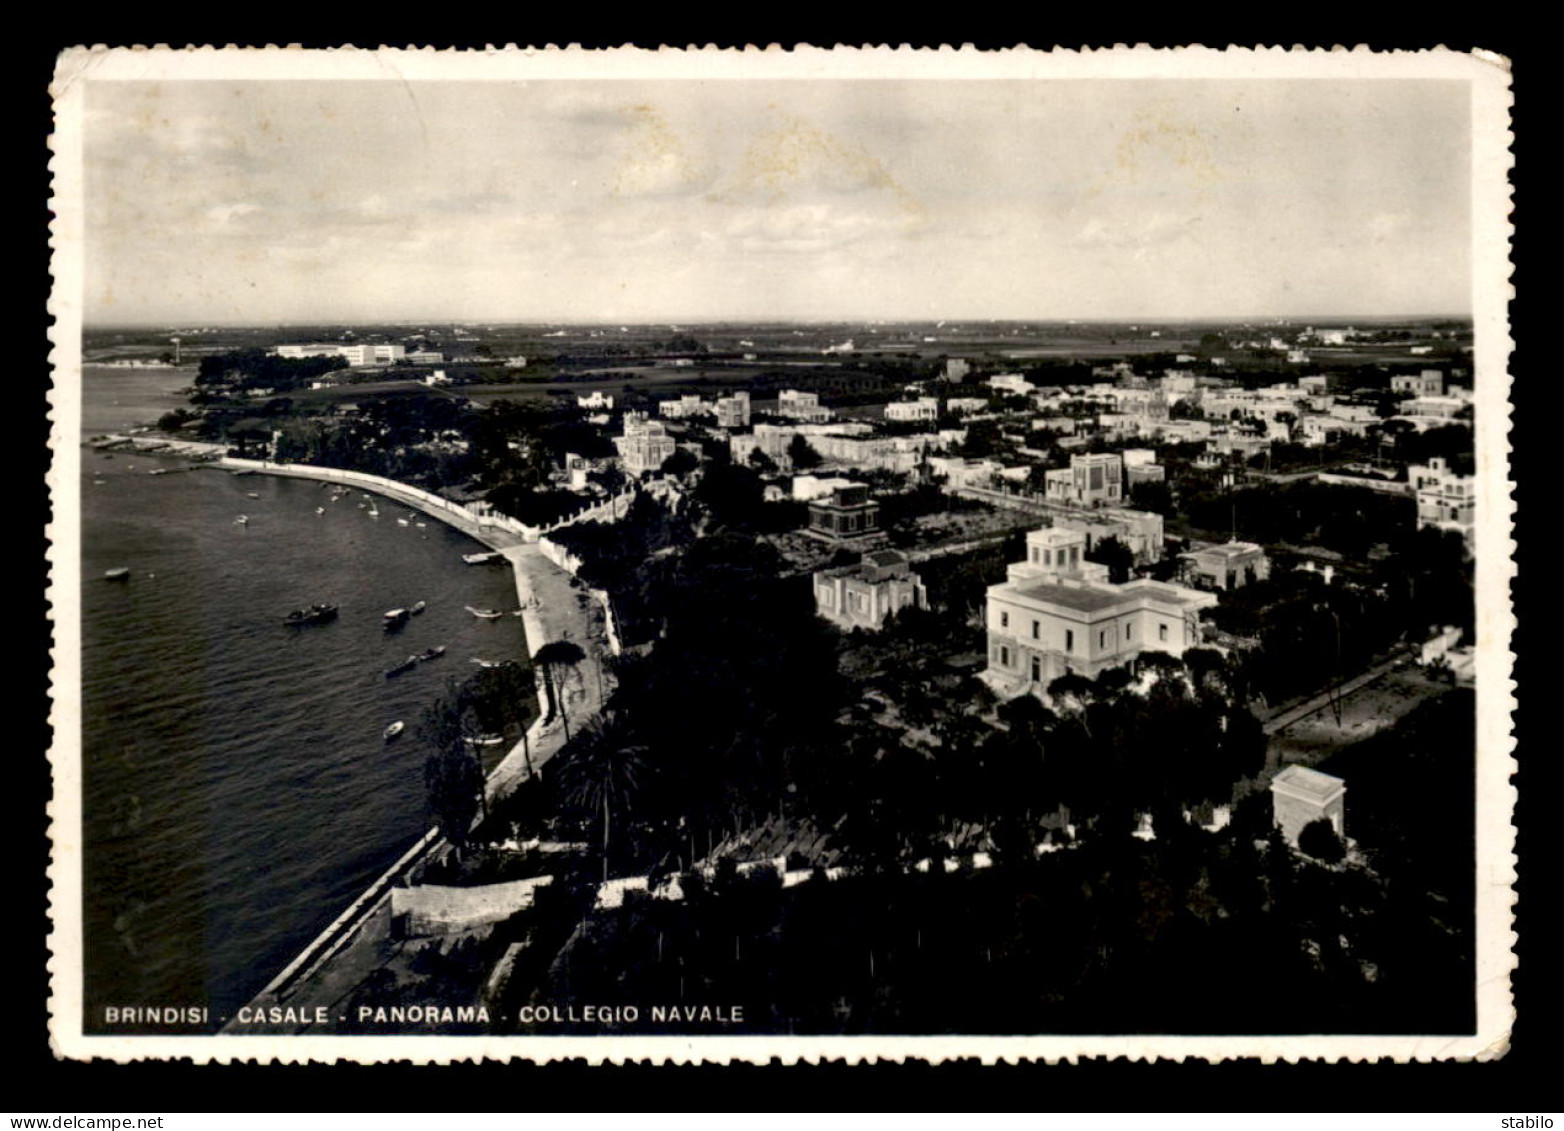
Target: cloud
{"x": 656, "y": 161}
{"x": 224, "y": 215}
{"x": 1155, "y": 230}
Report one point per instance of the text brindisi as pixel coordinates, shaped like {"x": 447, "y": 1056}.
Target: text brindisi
{"x": 156, "y": 1015}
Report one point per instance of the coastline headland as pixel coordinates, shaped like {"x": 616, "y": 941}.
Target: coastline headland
{"x": 553, "y": 605}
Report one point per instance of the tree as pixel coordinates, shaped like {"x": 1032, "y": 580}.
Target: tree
{"x": 548, "y": 659}
{"x": 500, "y": 697}
{"x": 1113, "y": 553}
{"x": 761, "y": 462}
{"x": 602, "y": 772}
{"x": 1319, "y": 840}
{"x": 801, "y": 453}
{"x": 681, "y": 462}
{"x": 1152, "y": 496}
{"x": 983, "y": 439}
{"x": 453, "y": 775}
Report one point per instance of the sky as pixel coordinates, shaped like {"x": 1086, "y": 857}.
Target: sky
{"x": 211, "y": 202}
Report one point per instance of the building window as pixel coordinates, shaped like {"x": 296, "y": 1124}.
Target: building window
{"x": 1069, "y": 640}
{"x": 1037, "y": 669}
{"x": 1162, "y": 632}
{"x": 1004, "y": 656}
{"x": 1037, "y": 630}
{"x": 1102, "y": 639}
{"x": 1004, "y": 620}
{"x": 1129, "y": 629}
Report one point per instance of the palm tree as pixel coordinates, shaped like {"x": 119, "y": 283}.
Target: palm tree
{"x": 602, "y": 772}
{"x": 453, "y": 774}
{"x": 557, "y": 654}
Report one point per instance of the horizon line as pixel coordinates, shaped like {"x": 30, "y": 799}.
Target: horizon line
{"x": 1161, "y": 320}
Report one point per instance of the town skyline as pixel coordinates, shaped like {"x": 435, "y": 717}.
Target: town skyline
{"x": 595, "y": 202}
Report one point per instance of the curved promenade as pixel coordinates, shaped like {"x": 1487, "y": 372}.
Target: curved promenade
{"x": 553, "y": 606}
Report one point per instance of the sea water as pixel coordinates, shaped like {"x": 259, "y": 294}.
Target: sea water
{"x": 238, "y": 790}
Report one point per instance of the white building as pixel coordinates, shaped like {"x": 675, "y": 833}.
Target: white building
{"x": 1013, "y": 383}
{"x": 801, "y": 406}
{"x": 807, "y": 487}
{"x": 924, "y": 409}
{"x": 595, "y": 400}
{"x": 1445, "y": 500}
{"x": 688, "y": 406}
{"x": 1428, "y": 383}
{"x": 1224, "y": 565}
{"x": 1089, "y": 481}
{"x": 644, "y": 445}
{"x": 960, "y": 473}
{"x": 733, "y": 412}
{"x": 864, "y": 595}
{"x": 1300, "y": 796}
{"x": 373, "y": 353}
{"x": 1055, "y": 613}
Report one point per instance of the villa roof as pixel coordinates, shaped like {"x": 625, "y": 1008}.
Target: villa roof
{"x": 885, "y": 557}
{"x": 1302, "y": 781}
{"x": 1227, "y": 549}
{"x": 1082, "y": 599}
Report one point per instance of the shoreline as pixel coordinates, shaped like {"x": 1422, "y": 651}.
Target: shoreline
{"x": 553, "y": 605}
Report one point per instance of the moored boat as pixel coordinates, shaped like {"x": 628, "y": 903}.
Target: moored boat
{"x": 118, "y": 573}
{"x": 393, "y": 730}
{"x": 395, "y": 619}
{"x": 485, "y": 614}
{"x": 406, "y": 665}
{"x": 315, "y": 614}
{"x": 242, "y": 520}
{"x": 479, "y": 559}
{"x": 431, "y": 653}
{"x": 417, "y": 608}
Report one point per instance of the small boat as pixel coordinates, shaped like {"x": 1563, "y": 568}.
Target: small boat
{"x": 485, "y": 614}
{"x": 372, "y": 513}
{"x": 315, "y": 614}
{"x": 484, "y": 740}
{"x": 252, "y": 494}
{"x": 242, "y": 520}
{"x": 401, "y": 522}
{"x": 395, "y": 619}
{"x": 420, "y": 525}
{"x": 320, "y": 510}
{"x": 118, "y": 573}
{"x": 431, "y": 654}
{"x": 161, "y": 471}
{"x": 393, "y": 730}
{"x": 418, "y": 608}
{"x": 485, "y": 663}
{"x": 479, "y": 559}
{"x": 406, "y": 665}
{"x": 98, "y": 482}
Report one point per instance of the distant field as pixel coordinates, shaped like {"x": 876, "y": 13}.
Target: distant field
{"x": 1097, "y": 348}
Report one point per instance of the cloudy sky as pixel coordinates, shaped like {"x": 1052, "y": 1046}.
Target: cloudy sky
{"x": 681, "y": 200}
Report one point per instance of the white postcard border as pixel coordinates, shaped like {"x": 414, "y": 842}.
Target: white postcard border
{"x": 1492, "y": 235}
